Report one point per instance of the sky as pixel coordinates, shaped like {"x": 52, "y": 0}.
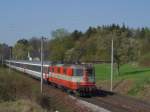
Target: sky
{"x": 28, "y": 18}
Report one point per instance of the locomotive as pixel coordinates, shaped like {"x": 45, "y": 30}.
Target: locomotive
{"x": 75, "y": 78}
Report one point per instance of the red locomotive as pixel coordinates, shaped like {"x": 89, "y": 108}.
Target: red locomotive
{"x": 77, "y": 78}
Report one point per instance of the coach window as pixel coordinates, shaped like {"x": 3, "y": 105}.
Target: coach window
{"x": 17, "y": 64}
{"x": 14, "y": 64}
{"x": 38, "y": 68}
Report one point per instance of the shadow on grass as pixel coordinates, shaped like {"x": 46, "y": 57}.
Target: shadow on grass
{"x": 135, "y": 72}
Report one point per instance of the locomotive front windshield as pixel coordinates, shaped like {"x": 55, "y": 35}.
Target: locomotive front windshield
{"x": 90, "y": 71}
{"x": 79, "y": 72}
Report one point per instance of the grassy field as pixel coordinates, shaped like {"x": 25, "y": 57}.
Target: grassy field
{"x": 19, "y": 93}
{"x": 133, "y": 80}
{"x": 126, "y": 71}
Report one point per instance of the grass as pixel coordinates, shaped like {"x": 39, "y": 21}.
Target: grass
{"x": 20, "y": 106}
{"x": 102, "y": 71}
{"x": 126, "y": 71}
{"x": 134, "y": 79}
{"x": 139, "y": 85}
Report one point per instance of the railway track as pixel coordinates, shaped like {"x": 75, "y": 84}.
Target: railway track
{"x": 118, "y": 103}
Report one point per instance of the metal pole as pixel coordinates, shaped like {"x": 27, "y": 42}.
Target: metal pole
{"x": 2, "y": 60}
{"x": 9, "y": 64}
{"x": 42, "y": 64}
{"x": 112, "y": 61}
{"x": 10, "y": 50}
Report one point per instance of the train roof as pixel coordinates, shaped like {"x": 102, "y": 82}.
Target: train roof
{"x": 38, "y": 63}
{"x": 79, "y": 65}
{"x": 49, "y": 63}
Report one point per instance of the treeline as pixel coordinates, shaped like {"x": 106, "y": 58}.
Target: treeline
{"x": 130, "y": 45}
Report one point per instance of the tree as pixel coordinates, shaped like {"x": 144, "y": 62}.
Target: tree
{"x": 4, "y": 51}
{"x": 76, "y": 35}
{"x": 124, "y": 49}
{"x": 59, "y": 44}
{"x": 35, "y": 44}
{"x": 0, "y": 49}
{"x": 21, "y": 49}
{"x": 90, "y": 31}
{"x": 60, "y": 33}
{"x": 93, "y": 44}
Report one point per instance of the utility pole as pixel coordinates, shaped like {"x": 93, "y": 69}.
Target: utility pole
{"x": 10, "y": 54}
{"x": 42, "y": 41}
{"x": 2, "y": 60}
{"x": 42, "y": 64}
{"x": 3, "y": 55}
{"x": 112, "y": 63}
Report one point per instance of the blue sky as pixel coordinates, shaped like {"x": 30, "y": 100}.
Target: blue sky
{"x": 28, "y": 18}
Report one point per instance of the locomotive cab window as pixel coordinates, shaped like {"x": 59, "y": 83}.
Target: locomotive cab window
{"x": 90, "y": 71}
{"x": 78, "y": 72}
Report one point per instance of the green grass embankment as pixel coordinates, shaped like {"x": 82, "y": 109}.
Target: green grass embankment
{"x": 133, "y": 80}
